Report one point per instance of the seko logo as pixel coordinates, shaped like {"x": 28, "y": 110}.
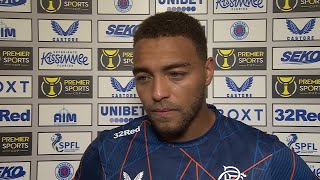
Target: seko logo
{"x": 121, "y": 30}
{"x": 11, "y": 172}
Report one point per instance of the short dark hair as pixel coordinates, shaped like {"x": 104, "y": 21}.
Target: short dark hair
{"x": 172, "y": 24}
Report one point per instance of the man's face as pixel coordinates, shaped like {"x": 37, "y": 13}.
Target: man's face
{"x": 170, "y": 81}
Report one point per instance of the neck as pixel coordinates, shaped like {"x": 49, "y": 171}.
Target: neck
{"x": 201, "y": 124}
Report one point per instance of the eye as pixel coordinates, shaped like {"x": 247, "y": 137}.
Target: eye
{"x": 176, "y": 75}
{"x": 142, "y": 78}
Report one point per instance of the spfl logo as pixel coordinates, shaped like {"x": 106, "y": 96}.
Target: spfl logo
{"x": 11, "y": 172}
{"x": 73, "y": 28}
{"x": 244, "y": 87}
{"x": 300, "y": 57}
{"x": 285, "y": 86}
{"x": 7, "y": 33}
{"x": 123, "y": 5}
{"x": 63, "y": 146}
{"x": 64, "y": 117}
{"x": 64, "y": 171}
{"x": 231, "y": 173}
{"x": 118, "y": 87}
{"x": 300, "y": 147}
{"x": 239, "y": 30}
{"x": 127, "y": 177}
{"x": 55, "y": 86}
{"x": 300, "y": 33}
{"x": 11, "y": 3}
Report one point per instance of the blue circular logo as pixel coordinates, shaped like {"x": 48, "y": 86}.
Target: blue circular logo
{"x": 64, "y": 171}
{"x": 239, "y": 30}
{"x": 123, "y": 5}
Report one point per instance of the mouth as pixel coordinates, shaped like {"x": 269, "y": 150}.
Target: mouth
{"x": 163, "y": 112}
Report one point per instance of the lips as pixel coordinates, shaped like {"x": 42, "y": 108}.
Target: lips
{"x": 163, "y": 112}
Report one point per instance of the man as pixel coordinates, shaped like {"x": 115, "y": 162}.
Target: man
{"x": 182, "y": 137}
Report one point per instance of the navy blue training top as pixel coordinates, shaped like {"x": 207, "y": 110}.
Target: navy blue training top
{"x": 229, "y": 150}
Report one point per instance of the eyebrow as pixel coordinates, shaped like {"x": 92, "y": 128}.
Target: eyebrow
{"x": 164, "y": 68}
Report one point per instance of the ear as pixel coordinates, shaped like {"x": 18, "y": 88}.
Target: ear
{"x": 209, "y": 69}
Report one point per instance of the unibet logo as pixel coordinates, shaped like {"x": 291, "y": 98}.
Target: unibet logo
{"x": 301, "y": 57}
{"x": 121, "y": 30}
{"x": 6, "y": 115}
{"x": 296, "y": 115}
{"x": 11, "y": 172}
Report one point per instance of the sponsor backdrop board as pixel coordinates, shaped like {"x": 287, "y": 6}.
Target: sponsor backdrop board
{"x": 229, "y": 7}
{"x": 63, "y": 142}
{"x": 296, "y": 29}
{"x": 16, "y": 144}
{"x": 119, "y": 114}
{"x": 296, "y": 114}
{"x": 53, "y": 170}
{"x": 65, "y": 114}
{"x": 315, "y": 167}
{"x": 15, "y": 115}
{"x": 304, "y": 144}
{"x": 21, "y": 170}
{"x": 16, "y": 58}
{"x": 66, "y": 68}
{"x": 240, "y": 30}
{"x": 251, "y": 114}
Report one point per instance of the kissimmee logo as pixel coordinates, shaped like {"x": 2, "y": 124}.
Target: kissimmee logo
{"x": 65, "y": 114}
{"x": 239, "y": 86}
{"x": 16, "y": 58}
{"x": 124, "y": 7}
{"x": 65, "y": 30}
{"x": 240, "y": 58}
{"x": 280, "y": 6}
{"x": 239, "y": 6}
{"x": 115, "y": 59}
{"x": 296, "y": 86}
{"x": 65, "y": 86}
{"x": 65, "y": 6}
{"x": 296, "y": 115}
{"x": 15, "y": 115}
{"x": 119, "y": 114}
{"x": 16, "y": 144}
{"x": 15, "y": 30}
{"x": 296, "y": 29}
{"x": 187, "y": 6}
{"x": 117, "y": 87}
{"x": 14, "y": 170}
{"x": 54, "y": 58}
{"x": 315, "y": 168}
{"x": 117, "y": 31}
{"x": 301, "y": 143}
{"x": 63, "y": 142}
{"x": 251, "y": 114}
{"x": 15, "y": 6}
{"x": 296, "y": 58}
{"x": 15, "y": 86}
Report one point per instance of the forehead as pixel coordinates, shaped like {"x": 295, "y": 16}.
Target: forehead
{"x": 164, "y": 48}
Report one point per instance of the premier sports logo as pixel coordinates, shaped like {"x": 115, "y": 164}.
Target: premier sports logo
{"x": 287, "y": 6}
{"x": 239, "y": 6}
{"x": 240, "y": 58}
{"x": 65, "y": 30}
{"x": 111, "y": 59}
{"x": 296, "y": 29}
{"x": 16, "y": 58}
{"x": 299, "y": 86}
{"x": 16, "y": 144}
{"x": 190, "y": 7}
{"x": 117, "y": 87}
{"x": 65, "y": 7}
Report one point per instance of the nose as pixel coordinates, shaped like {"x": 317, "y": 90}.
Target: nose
{"x": 160, "y": 89}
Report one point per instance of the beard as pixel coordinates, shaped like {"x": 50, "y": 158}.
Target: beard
{"x": 181, "y": 122}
